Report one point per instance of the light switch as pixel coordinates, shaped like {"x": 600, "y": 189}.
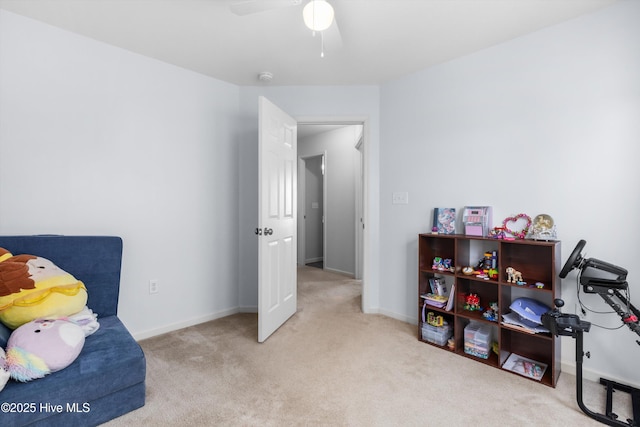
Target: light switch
{"x": 315, "y": 205}
{"x": 400, "y": 198}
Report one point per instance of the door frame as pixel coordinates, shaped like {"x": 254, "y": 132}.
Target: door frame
{"x": 363, "y": 256}
{"x": 359, "y": 206}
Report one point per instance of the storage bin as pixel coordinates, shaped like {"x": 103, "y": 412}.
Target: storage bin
{"x": 436, "y": 334}
{"x": 477, "y": 340}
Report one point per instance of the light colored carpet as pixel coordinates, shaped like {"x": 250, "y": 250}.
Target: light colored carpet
{"x": 332, "y": 365}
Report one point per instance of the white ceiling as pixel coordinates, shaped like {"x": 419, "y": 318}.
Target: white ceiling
{"x": 381, "y": 39}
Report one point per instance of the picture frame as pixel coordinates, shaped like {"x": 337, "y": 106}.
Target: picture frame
{"x": 444, "y": 220}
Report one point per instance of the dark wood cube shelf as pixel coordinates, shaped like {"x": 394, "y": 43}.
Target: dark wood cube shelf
{"x": 539, "y": 264}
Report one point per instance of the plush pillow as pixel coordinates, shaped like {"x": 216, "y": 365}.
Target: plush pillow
{"x": 41, "y": 347}
{"x": 32, "y": 287}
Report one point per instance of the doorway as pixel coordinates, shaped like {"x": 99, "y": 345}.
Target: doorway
{"x": 278, "y": 194}
{"x": 330, "y": 196}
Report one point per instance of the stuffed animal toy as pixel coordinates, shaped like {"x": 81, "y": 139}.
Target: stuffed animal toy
{"x": 32, "y": 287}
{"x": 4, "y": 372}
{"x": 41, "y": 347}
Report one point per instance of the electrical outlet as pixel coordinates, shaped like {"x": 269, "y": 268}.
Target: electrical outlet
{"x": 153, "y": 286}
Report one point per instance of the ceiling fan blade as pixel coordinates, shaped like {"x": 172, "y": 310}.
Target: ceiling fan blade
{"x": 248, "y": 7}
{"x": 332, "y": 37}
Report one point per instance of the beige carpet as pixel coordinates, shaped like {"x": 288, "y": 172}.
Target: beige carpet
{"x": 331, "y": 365}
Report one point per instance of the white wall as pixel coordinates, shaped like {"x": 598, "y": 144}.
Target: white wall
{"x": 304, "y": 103}
{"x": 98, "y": 140}
{"x": 547, "y": 123}
{"x": 340, "y": 211}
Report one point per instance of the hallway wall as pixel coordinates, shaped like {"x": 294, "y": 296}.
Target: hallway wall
{"x": 340, "y": 221}
{"x": 312, "y": 211}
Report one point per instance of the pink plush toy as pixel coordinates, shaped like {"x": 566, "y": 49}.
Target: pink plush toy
{"x": 41, "y": 347}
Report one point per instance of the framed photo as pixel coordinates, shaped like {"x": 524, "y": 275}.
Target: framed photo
{"x": 444, "y": 220}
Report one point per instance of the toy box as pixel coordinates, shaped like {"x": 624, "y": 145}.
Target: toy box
{"x": 436, "y": 334}
{"x": 477, "y": 340}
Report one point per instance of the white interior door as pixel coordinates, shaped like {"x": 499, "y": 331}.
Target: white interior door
{"x": 277, "y": 230}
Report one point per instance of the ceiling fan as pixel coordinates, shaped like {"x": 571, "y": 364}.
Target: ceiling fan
{"x": 318, "y": 16}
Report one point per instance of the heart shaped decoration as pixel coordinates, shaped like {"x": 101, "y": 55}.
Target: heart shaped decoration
{"x": 521, "y": 234}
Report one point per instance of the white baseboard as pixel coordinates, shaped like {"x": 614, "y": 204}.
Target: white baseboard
{"x": 397, "y": 316}
{"x": 184, "y": 324}
{"x": 591, "y": 375}
{"x": 335, "y": 270}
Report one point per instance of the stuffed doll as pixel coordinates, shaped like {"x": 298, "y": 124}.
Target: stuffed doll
{"x": 32, "y": 287}
{"x": 41, "y": 347}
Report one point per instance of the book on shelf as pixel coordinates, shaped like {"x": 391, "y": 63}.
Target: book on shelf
{"x": 514, "y": 321}
{"x": 524, "y": 366}
{"x": 435, "y": 300}
{"x": 438, "y": 301}
{"x": 444, "y": 220}
{"x": 449, "y": 305}
{"x": 438, "y": 296}
{"x": 438, "y": 286}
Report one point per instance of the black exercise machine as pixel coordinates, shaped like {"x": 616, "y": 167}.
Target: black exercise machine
{"x": 608, "y": 281}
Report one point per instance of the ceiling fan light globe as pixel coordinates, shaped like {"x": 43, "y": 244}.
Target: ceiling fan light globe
{"x": 318, "y": 15}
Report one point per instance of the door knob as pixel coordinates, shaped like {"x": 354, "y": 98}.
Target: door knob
{"x": 268, "y": 231}
{"x": 259, "y": 231}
